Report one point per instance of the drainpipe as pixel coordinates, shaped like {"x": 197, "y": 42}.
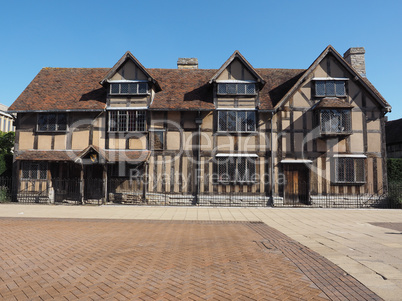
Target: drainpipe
{"x": 198, "y": 121}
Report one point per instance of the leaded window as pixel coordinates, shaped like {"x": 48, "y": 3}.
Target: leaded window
{"x": 333, "y": 121}
{"x": 157, "y": 140}
{"x": 236, "y": 121}
{"x": 34, "y": 170}
{"x": 52, "y": 122}
{"x": 349, "y": 170}
{"x": 236, "y": 88}
{"x": 127, "y": 121}
{"x": 330, "y": 88}
{"x": 129, "y": 88}
{"x": 236, "y": 170}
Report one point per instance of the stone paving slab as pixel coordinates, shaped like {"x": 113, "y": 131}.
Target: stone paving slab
{"x": 70, "y": 259}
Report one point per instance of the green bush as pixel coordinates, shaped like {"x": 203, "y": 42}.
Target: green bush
{"x": 394, "y": 170}
{"x": 4, "y": 194}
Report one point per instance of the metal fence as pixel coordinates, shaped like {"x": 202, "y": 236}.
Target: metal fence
{"x": 119, "y": 191}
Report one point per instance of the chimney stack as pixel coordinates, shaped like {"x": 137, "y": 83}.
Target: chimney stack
{"x": 355, "y": 57}
{"x": 187, "y": 63}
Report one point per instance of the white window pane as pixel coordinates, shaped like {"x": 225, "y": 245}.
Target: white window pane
{"x": 123, "y": 88}
{"x": 241, "y": 121}
{"x": 141, "y": 120}
{"x": 250, "y": 89}
{"x": 340, "y": 88}
{"x": 222, "y": 120}
{"x": 51, "y": 122}
{"x": 61, "y": 122}
{"x": 231, "y": 88}
{"x": 251, "y": 121}
{"x": 231, "y": 121}
{"x": 114, "y": 88}
{"x": 122, "y": 122}
{"x": 133, "y": 88}
{"x": 330, "y": 86}
{"x": 222, "y": 88}
{"x": 320, "y": 88}
{"x": 241, "y": 88}
{"x": 142, "y": 88}
{"x": 42, "y": 122}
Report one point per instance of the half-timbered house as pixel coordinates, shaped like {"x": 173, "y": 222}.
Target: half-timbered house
{"x": 236, "y": 135}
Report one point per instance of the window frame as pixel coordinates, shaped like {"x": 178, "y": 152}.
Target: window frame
{"x": 346, "y": 170}
{"x": 130, "y": 125}
{"x": 41, "y": 169}
{"x": 152, "y": 133}
{"x": 339, "y": 118}
{"x": 130, "y": 91}
{"x": 237, "y": 127}
{"x": 56, "y": 124}
{"x": 326, "y": 81}
{"x": 246, "y": 177}
{"x": 236, "y": 86}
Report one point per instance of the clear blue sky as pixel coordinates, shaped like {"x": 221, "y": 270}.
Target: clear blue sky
{"x": 270, "y": 34}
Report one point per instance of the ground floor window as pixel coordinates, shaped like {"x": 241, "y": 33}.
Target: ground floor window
{"x": 34, "y": 170}
{"x": 236, "y": 169}
{"x": 349, "y": 170}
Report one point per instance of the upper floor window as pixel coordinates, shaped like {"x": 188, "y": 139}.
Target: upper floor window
{"x": 236, "y": 88}
{"x": 129, "y": 88}
{"x": 335, "y": 121}
{"x": 52, "y": 122}
{"x": 156, "y": 140}
{"x": 236, "y": 121}
{"x": 349, "y": 170}
{"x": 127, "y": 121}
{"x": 330, "y": 88}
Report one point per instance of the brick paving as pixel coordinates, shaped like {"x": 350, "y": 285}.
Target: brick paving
{"x": 70, "y": 259}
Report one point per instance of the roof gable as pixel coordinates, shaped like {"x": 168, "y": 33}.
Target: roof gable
{"x": 329, "y": 50}
{"x": 233, "y": 59}
{"x": 129, "y": 68}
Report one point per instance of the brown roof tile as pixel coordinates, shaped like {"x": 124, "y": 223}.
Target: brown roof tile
{"x": 63, "y": 89}
{"x": 182, "y": 89}
{"x": 333, "y": 102}
{"x": 39, "y": 155}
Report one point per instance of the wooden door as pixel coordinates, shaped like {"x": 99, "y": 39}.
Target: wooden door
{"x": 93, "y": 183}
{"x": 296, "y": 188}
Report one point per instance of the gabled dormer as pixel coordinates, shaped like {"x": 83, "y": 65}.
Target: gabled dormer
{"x": 128, "y": 77}
{"x": 236, "y": 79}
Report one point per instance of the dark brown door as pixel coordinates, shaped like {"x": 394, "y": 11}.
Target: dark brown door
{"x": 296, "y": 186}
{"x": 93, "y": 182}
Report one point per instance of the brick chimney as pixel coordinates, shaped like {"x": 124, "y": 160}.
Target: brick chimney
{"x": 187, "y": 63}
{"x": 355, "y": 57}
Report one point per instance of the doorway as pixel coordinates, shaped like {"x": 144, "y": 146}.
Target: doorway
{"x": 296, "y": 187}
{"x": 93, "y": 181}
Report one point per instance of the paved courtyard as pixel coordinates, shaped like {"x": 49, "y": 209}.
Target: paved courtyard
{"x": 44, "y": 259}
{"x": 162, "y": 253}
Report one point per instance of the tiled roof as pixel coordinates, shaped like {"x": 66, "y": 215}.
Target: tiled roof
{"x": 39, "y": 155}
{"x": 63, "y": 89}
{"x": 182, "y": 89}
{"x": 332, "y": 102}
{"x": 277, "y": 83}
{"x": 74, "y": 155}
